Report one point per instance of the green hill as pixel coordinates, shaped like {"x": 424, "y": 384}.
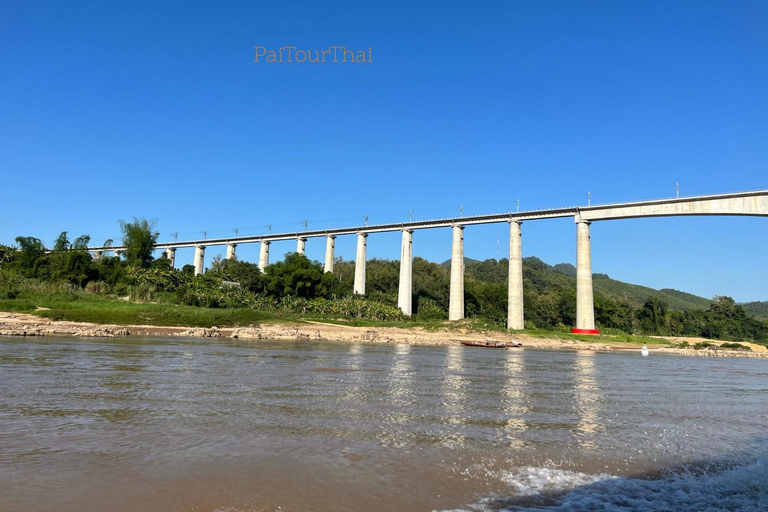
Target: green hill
{"x": 757, "y": 309}
{"x": 541, "y": 276}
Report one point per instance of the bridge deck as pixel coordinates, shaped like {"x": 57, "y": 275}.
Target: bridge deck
{"x": 741, "y": 203}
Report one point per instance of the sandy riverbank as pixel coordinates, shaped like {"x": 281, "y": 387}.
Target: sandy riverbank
{"x": 21, "y": 324}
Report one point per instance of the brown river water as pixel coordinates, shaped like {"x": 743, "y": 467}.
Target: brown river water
{"x": 229, "y": 426}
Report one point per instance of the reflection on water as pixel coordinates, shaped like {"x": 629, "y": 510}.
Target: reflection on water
{"x": 232, "y": 425}
{"x": 513, "y": 400}
{"x": 354, "y": 392}
{"x": 399, "y": 400}
{"x": 454, "y": 386}
{"x": 587, "y": 398}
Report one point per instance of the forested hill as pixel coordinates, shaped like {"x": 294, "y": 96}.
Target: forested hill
{"x": 544, "y": 277}
{"x": 757, "y": 309}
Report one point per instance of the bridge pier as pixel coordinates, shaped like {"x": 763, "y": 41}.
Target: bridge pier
{"x": 362, "y": 242}
{"x": 118, "y": 253}
{"x": 456, "y": 306}
{"x": 97, "y": 255}
{"x": 585, "y": 306}
{"x": 231, "y": 251}
{"x": 330, "y": 247}
{"x": 301, "y": 245}
{"x": 199, "y": 259}
{"x": 515, "y": 315}
{"x": 405, "y": 291}
{"x": 170, "y": 253}
{"x": 264, "y": 255}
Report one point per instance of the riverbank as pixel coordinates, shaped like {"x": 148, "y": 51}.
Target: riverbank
{"x": 24, "y": 324}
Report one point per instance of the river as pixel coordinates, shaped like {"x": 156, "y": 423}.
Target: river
{"x": 233, "y": 426}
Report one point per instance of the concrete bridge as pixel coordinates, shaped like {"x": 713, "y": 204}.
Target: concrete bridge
{"x": 744, "y": 203}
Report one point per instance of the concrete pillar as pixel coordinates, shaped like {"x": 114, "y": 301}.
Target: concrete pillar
{"x": 264, "y": 256}
{"x": 362, "y": 243}
{"x": 330, "y": 247}
{"x": 170, "y": 253}
{"x": 405, "y": 292}
{"x": 118, "y": 253}
{"x": 97, "y": 255}
{"x": 199, "y": 259}
{"x": 231, "y": 251}
{"x": 456, "y": 307}
{"x": 301, "y": 245}
{"x": 515, "y": 318}
{"x": 585, "y": 308}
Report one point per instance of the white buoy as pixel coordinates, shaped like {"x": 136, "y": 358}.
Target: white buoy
{"x": 644, "y": 351}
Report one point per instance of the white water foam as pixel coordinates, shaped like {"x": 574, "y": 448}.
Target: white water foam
{"x": 741, "y": 488}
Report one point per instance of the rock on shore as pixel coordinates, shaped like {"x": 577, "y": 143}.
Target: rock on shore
{"x": 21, "y": 324}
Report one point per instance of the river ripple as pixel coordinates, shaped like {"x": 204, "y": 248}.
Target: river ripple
{"x": 228, "y": 425}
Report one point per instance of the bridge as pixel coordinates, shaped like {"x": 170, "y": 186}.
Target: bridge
{"x": 743, "y": 203}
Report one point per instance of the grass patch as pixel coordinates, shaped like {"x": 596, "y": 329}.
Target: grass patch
{"x": 600, "y": 338}
{"x": 18, "y": 305}
{"x": 735, "y": 346}
{"x": 112, "y": 311}
{"x": 84, "y": 307}
{"x": 467, "y": 324}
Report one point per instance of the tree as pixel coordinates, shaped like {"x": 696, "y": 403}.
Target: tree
{"x": 652, "y": 315}
{"x": 81, "y": 243}
{"x": 61, "y": 243}
{"x": 7, "y": 254}
{"x": 297, "y": 276}
{"x": 31, "y": 249}
{"x": 246, "y": 274}
{"x": 139, "y": 239}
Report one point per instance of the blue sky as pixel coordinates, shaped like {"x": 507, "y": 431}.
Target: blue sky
{"x": 156, "y": 109}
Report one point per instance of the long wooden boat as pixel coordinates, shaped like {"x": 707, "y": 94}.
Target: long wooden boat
{"x": 486, "y": 344}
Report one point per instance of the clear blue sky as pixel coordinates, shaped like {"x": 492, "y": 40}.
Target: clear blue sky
{"x": 156, "y": 109}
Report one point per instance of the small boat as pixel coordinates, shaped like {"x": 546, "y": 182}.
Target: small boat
{"x": 515, "y": 344}
{"x": 644, "y": 351}
{"x": 487, "y": 343}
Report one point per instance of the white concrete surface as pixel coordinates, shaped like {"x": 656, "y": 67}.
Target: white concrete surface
{"x": 405, "y": 290}
{"x": 264, "y": 256}
{"x": 330, "y": 249}
{"x": 199, "y": 259}
{"x": 515, "y": 315}
{"x": 170, "y": 253}
{"x": 362, "y": 243}
{"x": 456, "y": 306}
{"x": 585, "y": 308}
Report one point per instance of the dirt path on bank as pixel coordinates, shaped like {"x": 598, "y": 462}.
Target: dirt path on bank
{"x": 22, "y": 324}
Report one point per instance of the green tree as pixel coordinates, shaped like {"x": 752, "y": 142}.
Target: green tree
{"x": 139, "y": 239}
{"x": 62, "y": 242}
{"x": 30, "y": 250}
{"x": 246, "y": 274}
{"x": 652, "y": 316}
{"x": 296, "y": 276}
{"x": 81, "y": 243}
{"x": 7, "y": 254}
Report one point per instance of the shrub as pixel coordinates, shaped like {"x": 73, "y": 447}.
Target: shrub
{"x": 98, "y": 288}
{"x": 141, "y": 292}
{"x": 735, "y": 346}
{"x": 429, "y": 309}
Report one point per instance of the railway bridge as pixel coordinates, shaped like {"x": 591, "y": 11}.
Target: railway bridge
{"x": 744, "y": 203}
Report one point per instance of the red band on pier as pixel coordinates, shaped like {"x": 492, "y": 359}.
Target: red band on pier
{"x": 585, "y": 331}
